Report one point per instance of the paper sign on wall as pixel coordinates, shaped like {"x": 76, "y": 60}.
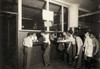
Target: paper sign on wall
{"x": 48, "y": 15}
{"x": 47, "y": 24}
{"x": 73, "y": 16}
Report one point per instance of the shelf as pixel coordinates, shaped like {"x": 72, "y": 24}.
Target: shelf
{"x": 37, "y": 31}
{"x": 8, "y": 12}
{"x": 24, "y": 18}
{"x": 15, "y": 13}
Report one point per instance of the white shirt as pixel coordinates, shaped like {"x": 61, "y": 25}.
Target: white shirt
{"x": 79, "y": 44}
{"x": 34, "y": 38}
{"x": 28, "y": 41}
{"x": 47, "y": 39}
{"x": 72, "y": 39}
{"x": 88, "y": 47}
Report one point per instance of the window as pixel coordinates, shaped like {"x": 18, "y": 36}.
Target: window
{"x": 32, "y": 16}
{"x": 57, "y": 17}
{"x": 65, "y": 19}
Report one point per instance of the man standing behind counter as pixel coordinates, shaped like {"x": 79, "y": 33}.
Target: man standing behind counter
{"x": 46, "y": 55}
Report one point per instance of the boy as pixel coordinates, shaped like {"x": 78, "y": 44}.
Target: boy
{"x": 79, "y": 44}
{"x": 27, "y": 44}
{"x": 88, "y": 50}
{"x": 47, "y": 47}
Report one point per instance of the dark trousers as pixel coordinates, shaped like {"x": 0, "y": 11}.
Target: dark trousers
{"x": 88, "y": 63}
{"x": 71, "y": 53}
{"x": 78, "y": 61}
{"x": 46, "y": 55}
{"x": 65, "y": 52}
{"x": 26, "y": 57}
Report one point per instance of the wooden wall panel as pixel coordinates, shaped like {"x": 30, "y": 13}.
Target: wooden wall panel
{"x": 37, "y": 52}
{"x": 21, "y": 36}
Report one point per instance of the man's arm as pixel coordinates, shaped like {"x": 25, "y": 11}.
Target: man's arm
{"x": 67, "y": 40}
{"x": 97, "y": 46}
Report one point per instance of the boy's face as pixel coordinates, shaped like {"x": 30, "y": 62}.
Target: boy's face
{"x": 42, "y": 33}
{"x": 31, "y": 36}
{"x": 87, "y": 34}
{"x": 64, "y": 33}
{"x": 53, "y": 34}
{"x": 34, "y": 34}
{"x": 92, "y": 36}
{"x": 68, "y": 34}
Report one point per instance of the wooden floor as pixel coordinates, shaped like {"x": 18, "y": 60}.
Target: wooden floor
{"x": 57, "y": 65}
{"x": 54, "y": 65}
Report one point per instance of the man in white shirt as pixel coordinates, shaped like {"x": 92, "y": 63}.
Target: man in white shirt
{"x": 95, "y": 44}
{"x": 46, "y": 55}
{"x": 88, "y": 44}
{"x": 79, "y": 44}
{"x": 27, "y": 44}
{"x": 71, "y": 47}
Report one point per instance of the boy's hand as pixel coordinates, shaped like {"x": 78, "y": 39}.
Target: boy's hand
{"x": 85, "y": 57}
{"x": 76, "y": 57}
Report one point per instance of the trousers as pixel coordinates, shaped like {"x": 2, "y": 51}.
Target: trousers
{"x": 71, "y": 53}
{"x": 46, "y": 55}
{"x": 26, "y": 57}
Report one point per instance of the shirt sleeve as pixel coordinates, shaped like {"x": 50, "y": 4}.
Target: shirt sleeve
{"x": 35, "y": 37}
{"x": 97, "y": 45}
{"x": 79, "y": 44}
{"x": 85, "y": 42}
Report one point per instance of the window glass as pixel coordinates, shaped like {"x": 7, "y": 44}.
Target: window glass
{"x": 65, "y": 19}
{"x": 57, "y": 17}
{"x": 32, "y": 14}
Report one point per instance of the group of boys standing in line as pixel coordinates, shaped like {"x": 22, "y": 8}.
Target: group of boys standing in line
{"x": 76, "y": 48}
{"x": 72, "y": 45}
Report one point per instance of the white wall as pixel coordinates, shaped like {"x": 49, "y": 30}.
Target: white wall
{"x": 86, "y": 4}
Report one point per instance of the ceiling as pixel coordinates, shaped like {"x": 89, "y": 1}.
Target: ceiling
{"x": 96, "y": 1}
{"x": 89, "y": 5}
